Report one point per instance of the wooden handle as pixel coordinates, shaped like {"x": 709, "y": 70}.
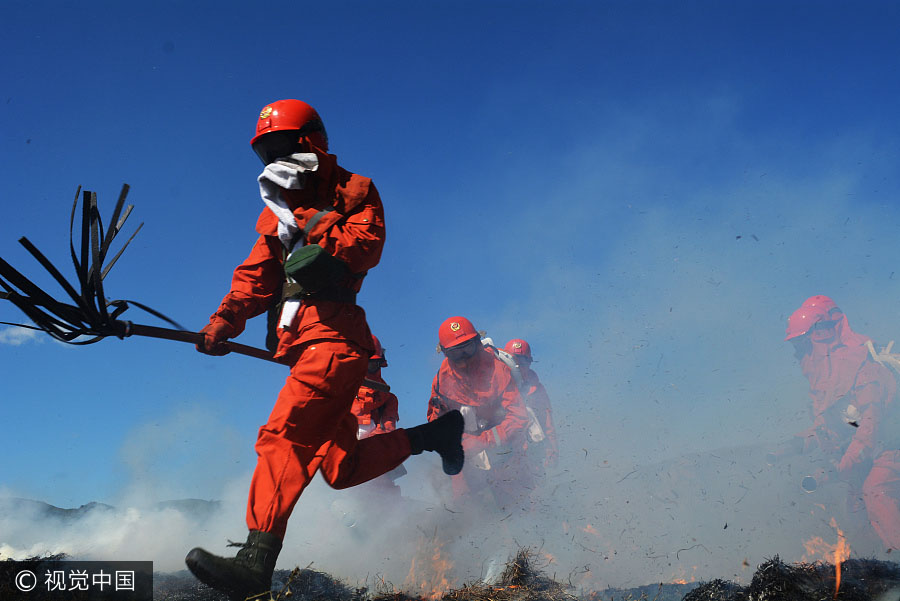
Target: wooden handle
{"x": 135, "y": 329}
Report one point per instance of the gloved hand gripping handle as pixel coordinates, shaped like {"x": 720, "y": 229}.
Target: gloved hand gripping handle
{"x": 127, "y": 328}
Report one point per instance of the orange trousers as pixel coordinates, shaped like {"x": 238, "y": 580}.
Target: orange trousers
{"x": 881, "y": 493}
{"x": 311, "y": 428}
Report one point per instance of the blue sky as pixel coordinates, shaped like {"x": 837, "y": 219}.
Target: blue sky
{"x": 643, "y": 190}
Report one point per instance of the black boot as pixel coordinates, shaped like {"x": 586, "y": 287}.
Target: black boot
{"x": 443, "y": 435}
{"x": 245, "y": 575}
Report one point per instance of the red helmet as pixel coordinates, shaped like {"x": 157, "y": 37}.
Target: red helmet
{"x": 517, "y": 346}
{"x": 821, "y": 301}
{"x": 813, "y": 310}
{"x": 378, "y": 355}
{"x": 294, "y": 117}
{"x": 454, "y": 331}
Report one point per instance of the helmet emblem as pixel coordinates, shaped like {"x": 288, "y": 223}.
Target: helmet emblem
{"x": 264, "y": 114}
{"x": 454, "y": 327}
{"x": 517, "y": 345}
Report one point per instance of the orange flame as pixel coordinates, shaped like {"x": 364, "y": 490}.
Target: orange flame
{"x": 837, "y": 553}
{"x": 429, "y": 573}
{"x": 841, "y": 553}
{"x": 682, "y": 577}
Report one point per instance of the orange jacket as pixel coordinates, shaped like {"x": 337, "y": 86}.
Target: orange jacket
{"x": 487, "y": 386}
{"x": 841, "y": 373}
{"x": 872, "y": 395}
{"x": 353, "y": 232}
{"x": 376, "y": 406}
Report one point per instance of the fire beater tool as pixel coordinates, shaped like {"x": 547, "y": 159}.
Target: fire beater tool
{"x": 87, "y": 316}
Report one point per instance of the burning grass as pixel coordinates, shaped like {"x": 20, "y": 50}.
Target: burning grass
{"x": 774, "y": 580}
{"x": 521, "y": 580}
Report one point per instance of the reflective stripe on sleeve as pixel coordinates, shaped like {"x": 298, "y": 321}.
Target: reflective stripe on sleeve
{"x": 496, "y": 433}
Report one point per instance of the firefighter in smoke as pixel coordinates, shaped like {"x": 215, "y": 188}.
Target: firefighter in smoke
{"x": 540, "y": 439}
{"x": 474, "y": 381}
{"x": 377, "y": 411}
{"x": 321, "y": 230}
{"x": 856, "y": 418}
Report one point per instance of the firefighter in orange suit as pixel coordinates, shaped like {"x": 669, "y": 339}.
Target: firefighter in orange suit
{"x": 856, "y": 418}
{"x": 540, "y": 441}
{"x": 377, "y": 411}
{"x": 321, "y": 230}
{"x": 473, "y": 380}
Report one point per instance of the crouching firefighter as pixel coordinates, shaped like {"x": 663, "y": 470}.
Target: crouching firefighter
{"x": 540, "y": 440}
{"x": 377, "y": 411}
{"x": 854, "y": 410}
{"x": 321, "y": 230}
{"x": 475, "y": 382}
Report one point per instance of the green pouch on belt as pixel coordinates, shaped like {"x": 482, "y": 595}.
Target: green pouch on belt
{"x": 314, "y": 268}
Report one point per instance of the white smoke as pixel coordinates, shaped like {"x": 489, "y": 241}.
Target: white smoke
{"x": 17, "y": 336}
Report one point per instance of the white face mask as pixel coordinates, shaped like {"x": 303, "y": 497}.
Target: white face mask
{"x": 287, "y": 173}
{"x": 290, "y": 172}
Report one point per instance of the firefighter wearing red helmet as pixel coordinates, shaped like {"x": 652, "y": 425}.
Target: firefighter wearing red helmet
{"x": 540, "y": 439}
{"x": 473, "y": 380}
{"x": 321, "y": 230}
{"x": 855, "y": 412}
{"x": 376, "y": 410}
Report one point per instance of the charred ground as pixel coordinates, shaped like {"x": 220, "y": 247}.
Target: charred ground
{"x": 774, "y": 580}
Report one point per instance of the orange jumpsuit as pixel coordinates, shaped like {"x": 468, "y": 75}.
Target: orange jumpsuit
{"x": 846, "y": 385}
{"x": 327, "y": 346}
{"x": 376, "y": 411}
{"x": 486, "y": 385}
